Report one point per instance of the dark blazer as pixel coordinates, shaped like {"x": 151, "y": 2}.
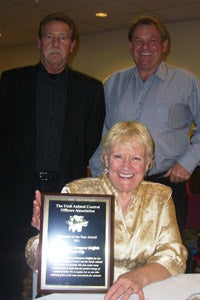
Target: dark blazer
{"x": 85, "y": 111}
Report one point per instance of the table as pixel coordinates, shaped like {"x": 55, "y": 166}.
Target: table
{"x": 173, "y": 288}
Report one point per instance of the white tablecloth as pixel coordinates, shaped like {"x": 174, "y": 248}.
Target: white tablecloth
{"x": 173, "y": 288}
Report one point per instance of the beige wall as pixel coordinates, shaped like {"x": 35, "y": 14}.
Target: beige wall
{"x": 101, "y": 54}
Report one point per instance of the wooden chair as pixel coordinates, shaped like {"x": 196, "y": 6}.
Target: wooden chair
{"x": 193, "y": 211}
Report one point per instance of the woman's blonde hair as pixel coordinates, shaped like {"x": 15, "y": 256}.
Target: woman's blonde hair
{"x": 129, "y": 133}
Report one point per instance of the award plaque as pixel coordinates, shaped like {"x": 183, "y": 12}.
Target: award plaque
{"x": 76, "y": 243}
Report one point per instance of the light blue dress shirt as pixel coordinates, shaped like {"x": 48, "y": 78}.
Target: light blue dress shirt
{"x": 167, "y": 103}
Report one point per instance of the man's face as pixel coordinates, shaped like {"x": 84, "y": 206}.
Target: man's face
{"x": 147, "y": 48}
{"x": 55, "y": 46}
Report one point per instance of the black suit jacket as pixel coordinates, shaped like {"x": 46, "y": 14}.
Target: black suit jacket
{"x": 85, "y": 111}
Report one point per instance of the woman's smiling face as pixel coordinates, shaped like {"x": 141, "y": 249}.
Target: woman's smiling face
{"x": 127, "y": 165}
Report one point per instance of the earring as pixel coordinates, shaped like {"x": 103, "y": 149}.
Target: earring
{"x": 105, "y": 169}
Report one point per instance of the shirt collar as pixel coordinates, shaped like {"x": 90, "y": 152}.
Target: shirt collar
{"x": 43, "y": 69}
{"x": 159, "y": 73}
{"x": 44, "y": 73}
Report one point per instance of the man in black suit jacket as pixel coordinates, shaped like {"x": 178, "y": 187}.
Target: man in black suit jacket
{"x": 51, "y": 120}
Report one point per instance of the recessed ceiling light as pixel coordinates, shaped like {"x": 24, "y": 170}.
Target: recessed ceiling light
{"x": 101, "y": 14}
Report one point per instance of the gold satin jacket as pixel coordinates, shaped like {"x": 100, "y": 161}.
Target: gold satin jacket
{"x": 147, "y": 233}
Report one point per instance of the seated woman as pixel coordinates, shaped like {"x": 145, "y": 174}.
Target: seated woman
{"x": 147, "y": 243}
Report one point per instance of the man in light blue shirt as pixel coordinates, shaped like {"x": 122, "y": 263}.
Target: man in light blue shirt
{"x": 166, "y": 99}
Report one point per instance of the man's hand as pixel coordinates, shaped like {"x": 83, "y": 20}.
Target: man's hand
{"x": 177, "y": 173}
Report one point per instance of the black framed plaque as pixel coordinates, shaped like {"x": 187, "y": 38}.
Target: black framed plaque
{"x": 76, "y": 243}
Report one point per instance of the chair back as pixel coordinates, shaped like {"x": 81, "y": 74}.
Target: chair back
{"x": 193, "y": 211}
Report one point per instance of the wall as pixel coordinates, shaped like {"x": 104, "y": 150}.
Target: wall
{"x": 18, "y": 56}
{"x": 101, "y": 54}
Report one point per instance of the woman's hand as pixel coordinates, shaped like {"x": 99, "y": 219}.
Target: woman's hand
{"x": 124, "y": 287}
{"x": 36, "y": 210}
{"x": 133, "y": 282}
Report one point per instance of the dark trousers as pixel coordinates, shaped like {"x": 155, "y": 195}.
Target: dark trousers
{"x": 179, "y": 196}
{"x": 13, "y": 267}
